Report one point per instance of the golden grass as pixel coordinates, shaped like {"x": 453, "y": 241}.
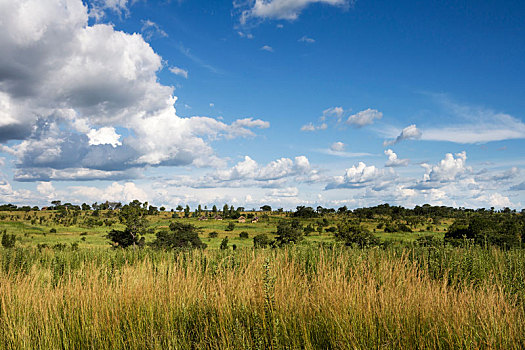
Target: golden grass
{"x": 252, "y": 299}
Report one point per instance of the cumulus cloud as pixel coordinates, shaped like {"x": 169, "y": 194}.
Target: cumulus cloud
{"x": 363, "y": 118}
{"x": 278, "y": 9}
{"x": 179, "y": 71}
{"x": 65, "y": 86}
{"x": 250, "y": 173}
{"x": 411, "y": 132}
{"x": 104, "y": 136}
{"x": 361, "y": 175}
{"x": 284, "y": 192}
{"x": 448, "y": 169}
{"x": 337, "y": 146}
{"x": 393, "y": 161}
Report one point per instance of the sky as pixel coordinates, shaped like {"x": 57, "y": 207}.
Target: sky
{"x": 263, "y": 102}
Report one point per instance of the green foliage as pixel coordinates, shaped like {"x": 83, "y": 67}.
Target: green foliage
{"x": 213, "y": 234}
{"x": 243, "y": 235}
{"x": 8, "y": 240}
{"x": 224, "y": 243}
{"x": 181, "y": 235}
{"x": 261, "y": 241}
{"x": 505, "y": 231}
{"x": 352, "y": 234}
{"x": 305, "y": 212}
{"x": 289, "y": 231}
{"x": 230, "y": 227}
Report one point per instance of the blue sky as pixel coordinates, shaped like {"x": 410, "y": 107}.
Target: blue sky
{"x": 280, "y": 102}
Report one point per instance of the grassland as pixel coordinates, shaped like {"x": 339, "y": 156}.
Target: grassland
{"x": 55, "y": 294}
{"x": 302, "y": 297}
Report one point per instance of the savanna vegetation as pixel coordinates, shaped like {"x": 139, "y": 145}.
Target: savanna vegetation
{"x": 135, "y": 276}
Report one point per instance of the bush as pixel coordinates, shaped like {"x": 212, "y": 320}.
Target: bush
{"x": 356, "y": 234}
{"x": 261, "y": 241}
{"x": 8, "y": 241}
{"x": 213, "y": 234}
{"x": 230, "y": 227}
{"x": 224, "y": 243}
{"x": 243, "y": 235}
{"x": 180, "y": 236}
{"x": 53, "y": 230}
{"x": 289, "y": 232}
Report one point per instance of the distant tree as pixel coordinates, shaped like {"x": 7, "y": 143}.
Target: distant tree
{"x": 305, "y": 212}
{"x": 180, "y": 236}
{"x": 85, "y": 206}
{"x": 162, "y": 208}
{"x": 214, "y": 209}
{"x": 187, "y": 211}
{"x": 231, "y": 226}
{"x": 213, "y": 234}
{"x": 243, "y": 235}
{"x": 266, "y": 208}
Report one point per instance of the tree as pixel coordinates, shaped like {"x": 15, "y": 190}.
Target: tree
{"x": 214, "y": 209}
{"x": 289, "y": 232}
{"x": 224, "y": 243}
{"x": 8, "y": 241}
{"x": 355, "y": 234}
{"x": 261, "y": 241}
{"x": 179, "y": 208}
{"x": 180, "y": 236}
{"x": 231, "y": 226}
{"x": 131, "y": 215}
{"x": 266, "y": 208}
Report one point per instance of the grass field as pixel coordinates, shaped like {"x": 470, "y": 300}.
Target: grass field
{"x": 303, "y": 297}
{"x": 30, "y": 232}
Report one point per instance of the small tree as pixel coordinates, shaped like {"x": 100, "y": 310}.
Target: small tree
{"x": 356, "y": 234}
{"x": 231, "y": 226}
{"x": 289, "y": 232}
{"x": 224, "y": 243}
{"x": 131, "y": 215}
{"x": 261, "y": 241}
{"x": 184, "y": 236}
{"x": 8, "y": 241}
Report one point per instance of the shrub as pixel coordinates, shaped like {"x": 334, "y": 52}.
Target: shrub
{"x": 261, "y": 241}
{"x": 289, "y": 232}
{"x": 53, "y": 230}
{"x": 8, "y": 241}
{"x": 352, "y": 234}
{"x": 230, "y": 227}
{"x": 213, "y": 234}
{"x": 224, "y": 243}
{"x": 180, "y": 236}
{"x": 243, "y": 235}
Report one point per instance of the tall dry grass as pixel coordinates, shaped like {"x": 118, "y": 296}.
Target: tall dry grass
{"x": 256, "y": 299}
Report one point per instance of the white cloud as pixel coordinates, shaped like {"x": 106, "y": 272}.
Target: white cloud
{"x": 104, "y": 136}
{"x": 448, "y": 169}
{"x": 393, "y": 161}
{"x": 305, "y": 39}
{"x": 411, "y": 132}
{"x": 267, "y": 48}
{"x": 280, "y": 9}
{"x": 179, "y": 71}
{"x": 312, "y": 127}
{"x": 361, "y": 175}
{"x": 115, "y": 192}
{"x": 284, "y": 192}
{"x": 76, "y": 84}
{"x": 150, "y": 29}
{"x": 363, "y": 118}
{"x": 337, "y": 146}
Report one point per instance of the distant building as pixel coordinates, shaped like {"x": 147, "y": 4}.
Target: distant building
{"x": 255, "y": 220}
{"x": 242, "y": 219}
{"x": 218, "y": 217}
